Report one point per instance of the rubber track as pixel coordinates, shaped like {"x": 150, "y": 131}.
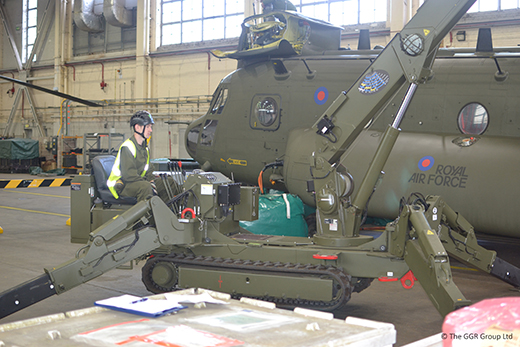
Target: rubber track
{"x": 338, "y": 275}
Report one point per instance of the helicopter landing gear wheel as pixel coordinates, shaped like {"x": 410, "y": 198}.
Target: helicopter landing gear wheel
{"x": 160, "y": 276}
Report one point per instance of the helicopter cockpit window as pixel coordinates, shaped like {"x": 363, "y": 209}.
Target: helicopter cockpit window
{"x": 473, "y": 119}
{"x": 265, "y": 113}
{"x": 208, "y": 132}
{"x": 220, "y": 102}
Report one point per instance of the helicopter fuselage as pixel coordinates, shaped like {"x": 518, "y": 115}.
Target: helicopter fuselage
{"x": 459, "y": 140}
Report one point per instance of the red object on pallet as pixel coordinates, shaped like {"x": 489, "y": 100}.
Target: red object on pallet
{"x": 490, "y": 322}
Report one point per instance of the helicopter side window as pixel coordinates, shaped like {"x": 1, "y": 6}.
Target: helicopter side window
{"x": 473, "y": 119}
{"x": 220, "y": 102}
{"x": 265, "y": 113}
{"x": 208, "y": 132}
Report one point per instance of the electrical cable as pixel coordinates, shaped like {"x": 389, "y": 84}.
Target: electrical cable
{"x": 318, "y": 178}
{"x": 418, "y": 198}
{"x": 273, "y": 165}
{"x": 129, "y": 246}
{"x": 455, "y": 241}
{"x": 328, "y": 138}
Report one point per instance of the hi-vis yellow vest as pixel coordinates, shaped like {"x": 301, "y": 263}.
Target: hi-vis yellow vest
{"x": 116, "y": 169}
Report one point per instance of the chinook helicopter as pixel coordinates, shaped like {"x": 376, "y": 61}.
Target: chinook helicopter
{"x": 192, "y": 238}
{"x": 460, "y": 138}
{"x": 461, "y": 133}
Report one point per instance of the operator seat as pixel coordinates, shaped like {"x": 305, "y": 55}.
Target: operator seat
{"x": 102, "y": 166}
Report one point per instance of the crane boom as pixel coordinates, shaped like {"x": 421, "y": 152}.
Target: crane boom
{"x": 312, "y": 160}
{"x": 407, "y": 59}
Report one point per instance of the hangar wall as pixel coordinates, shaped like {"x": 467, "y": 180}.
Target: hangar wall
{"x": 175, "y": 82}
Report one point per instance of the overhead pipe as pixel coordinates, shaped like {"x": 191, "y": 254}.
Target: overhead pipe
{"x": 23, "y": 105}
{"x": 116, "y": 14}
{"x": 73, "y": 72}
{"x": 85, "y": 18}
{"x": 73, "y": 65}
{"x": 61, "y": 115}
{"x": 104, "y": 60}
{"x": 35, "y": 68}
{"x": 103, "y": 84}
{"x": 40, "y": 78}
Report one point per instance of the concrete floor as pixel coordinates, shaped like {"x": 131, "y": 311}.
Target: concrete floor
{"x": 35, "y": 236}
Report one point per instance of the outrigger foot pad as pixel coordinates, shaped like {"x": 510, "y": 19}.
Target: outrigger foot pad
{"x": 26, "y": 294}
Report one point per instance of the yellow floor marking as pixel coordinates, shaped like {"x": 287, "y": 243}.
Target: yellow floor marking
{"x": 13, "y": 184}
{"x": 57, "y": 182}
{"x": 463, "y": 268}
{"x": 35, "y": 183}
{"x": 22, "y": 209}
{"x": 54, "y": 196}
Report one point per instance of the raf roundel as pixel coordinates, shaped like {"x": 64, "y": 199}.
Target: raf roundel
{"x": 426, "y": 163}
{"x": 321, "y": 95}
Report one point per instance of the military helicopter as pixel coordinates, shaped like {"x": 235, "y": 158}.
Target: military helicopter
{"x": 290, "y": 69}
{"x": 460, "y": 135}
{"x": 209, "y": 249}
{"x": 193, "y": 239}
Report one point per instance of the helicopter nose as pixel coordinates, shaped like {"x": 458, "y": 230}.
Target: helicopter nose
{"x": 192, "y": 137}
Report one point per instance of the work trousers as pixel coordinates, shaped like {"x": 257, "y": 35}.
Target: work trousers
{"x": 142, "y": 190}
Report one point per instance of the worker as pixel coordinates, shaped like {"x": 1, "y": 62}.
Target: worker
{"x": 130, "y": 174}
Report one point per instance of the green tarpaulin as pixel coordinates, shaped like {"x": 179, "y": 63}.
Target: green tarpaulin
{"x": 19, "y": 149}
{"x": 279, "y": 214}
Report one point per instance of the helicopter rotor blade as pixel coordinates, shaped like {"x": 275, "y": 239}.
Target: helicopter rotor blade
{"x": 53, "y": 92}
{"x": 174, "y": 122}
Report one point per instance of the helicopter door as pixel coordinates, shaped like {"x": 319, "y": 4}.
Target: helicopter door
{"x": 265, "y": 112}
